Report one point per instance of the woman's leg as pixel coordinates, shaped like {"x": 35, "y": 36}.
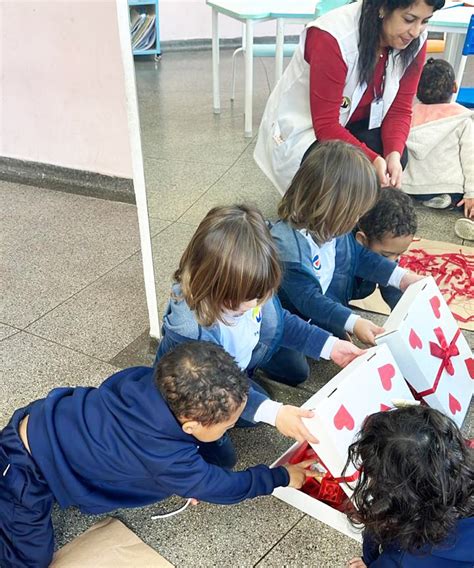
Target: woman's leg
{"x": 372, "y": 138}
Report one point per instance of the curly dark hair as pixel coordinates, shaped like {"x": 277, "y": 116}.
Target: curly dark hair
{"x": 393, "y": 214}
{"x": 200, "y": 381}
{"x": 436, "y": 82}
{"x": 417, "y": 478}
{"x": 370, "y": 28}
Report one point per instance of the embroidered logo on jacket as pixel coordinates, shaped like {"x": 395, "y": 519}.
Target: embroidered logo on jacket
{"x": 316, "y": 262}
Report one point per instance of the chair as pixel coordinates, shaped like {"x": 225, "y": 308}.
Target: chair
{"x": 466, "y": 94}
{"x": 268, "y": 49}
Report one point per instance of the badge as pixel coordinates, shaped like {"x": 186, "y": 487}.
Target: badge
{"x": 376, "y": 113}
{"x": 346, "y": 102}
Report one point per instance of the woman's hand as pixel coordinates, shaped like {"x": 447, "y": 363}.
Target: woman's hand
{"x": 344, "y": 352}
{"x": 366, "y": 331}
{"x": 380, "y": 166}
{"x": 394, "y": 169}
{"x": 288, "y": 422}
{"x": 468, "y": 207}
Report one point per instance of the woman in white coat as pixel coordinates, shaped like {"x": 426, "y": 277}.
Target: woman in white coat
{"x": 353, "y": 78}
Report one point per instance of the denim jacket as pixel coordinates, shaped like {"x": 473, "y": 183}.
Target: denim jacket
{"x": 300, "y": 291}
{"x": 279, "y": 328}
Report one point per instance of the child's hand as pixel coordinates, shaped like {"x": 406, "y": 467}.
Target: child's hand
{"x": 288, "y": 422}
{"x": 298, "y": 473}
{"x": 366, "y": 331}
{"x": 356, "y": 563}
{"x": 344, "y": 352}
{"x": 468, "y": 207}
{"x": 408, "y": 279}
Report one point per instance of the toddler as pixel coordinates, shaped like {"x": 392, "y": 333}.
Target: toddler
{"x": 415, "y": 491}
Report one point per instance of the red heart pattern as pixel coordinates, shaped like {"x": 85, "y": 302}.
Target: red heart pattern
{"x": 414, "y": 340}
{"x": 454, "y": 405}
{"x": 343, "y": 419}
{"x": 470, "y": 366}
{"x": 435, "y": 305}
{"x": 384, "y": 407}
{"x": 386, "y": 374}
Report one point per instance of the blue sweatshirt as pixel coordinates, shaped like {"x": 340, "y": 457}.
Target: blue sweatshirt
{"x": 456, "y": 552}
{"x": 119, "y": 445}
{"x": 300, "y": 291}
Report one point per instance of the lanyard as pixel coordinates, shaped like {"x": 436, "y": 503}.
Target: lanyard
{"x": 379, "y": 95}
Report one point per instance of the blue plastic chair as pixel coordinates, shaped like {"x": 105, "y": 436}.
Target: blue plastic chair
{"x": 466, "y": 94}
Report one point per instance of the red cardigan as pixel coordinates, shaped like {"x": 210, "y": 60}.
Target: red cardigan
{"x": 327, "y": 77}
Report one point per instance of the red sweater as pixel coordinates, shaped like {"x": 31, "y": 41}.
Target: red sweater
{"x": 327, "y": 77}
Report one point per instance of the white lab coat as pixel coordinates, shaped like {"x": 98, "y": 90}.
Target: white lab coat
{"x": 286, "y": 130}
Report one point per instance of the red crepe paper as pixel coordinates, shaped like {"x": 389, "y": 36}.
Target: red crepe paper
{"x": 453, "y": 273}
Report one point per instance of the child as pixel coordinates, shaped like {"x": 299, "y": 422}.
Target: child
{"x": 130, "y": 442}
{"x": 224, "y": 293}
{"x": 387, "y": 229}
{"x": 440, "y": 169}
{"x": 415, "y": 491}
{"x": 333, "y": 188}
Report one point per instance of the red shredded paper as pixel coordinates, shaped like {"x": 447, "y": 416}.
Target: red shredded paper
{"x": 453, "y": 273}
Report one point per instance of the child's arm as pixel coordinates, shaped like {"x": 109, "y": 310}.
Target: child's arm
{"x": 195, "y": 478}
{"x": 466, "y": 151}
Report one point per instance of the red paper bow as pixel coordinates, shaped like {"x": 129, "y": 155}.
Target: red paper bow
{"x": 445, "y": 352}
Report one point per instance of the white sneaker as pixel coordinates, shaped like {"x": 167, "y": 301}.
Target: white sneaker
{"x": 464, "y": 229}
{"x": 442, "y": 201}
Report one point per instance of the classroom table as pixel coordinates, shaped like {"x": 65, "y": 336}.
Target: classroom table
{"x": 453, "y": 21}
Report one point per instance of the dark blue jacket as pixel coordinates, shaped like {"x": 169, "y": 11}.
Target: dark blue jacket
{"x": 456, "y": 552}
{"x": 119, "y": 445}
{"x": 279, "y": 328}
{"x": 300, "y": 291}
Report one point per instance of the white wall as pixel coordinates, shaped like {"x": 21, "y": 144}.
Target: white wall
{"x": 191, "y": 19}
{"x": 63, "y": 99}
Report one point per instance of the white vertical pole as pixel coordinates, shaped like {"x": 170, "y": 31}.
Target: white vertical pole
{"x": 123, "y": 20}
{"x": 215, "y": 62}
{"x": 280, "y": 40}
{"x": 248, "y": 77}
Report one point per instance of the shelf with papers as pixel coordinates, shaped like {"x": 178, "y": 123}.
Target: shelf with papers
{"x": 144, "y": 27}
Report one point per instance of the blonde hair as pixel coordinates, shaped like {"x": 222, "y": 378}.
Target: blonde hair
{"x": 231, "y": 259}
{"x": 332, "y": 189}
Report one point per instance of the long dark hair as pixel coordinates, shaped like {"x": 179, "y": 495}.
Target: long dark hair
{"x": 370, "y": 27}
{"x": 417, "y": 478}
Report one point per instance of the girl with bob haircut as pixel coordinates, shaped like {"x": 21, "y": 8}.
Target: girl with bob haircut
{"x": 353, "y": 77}
{"x": 335, "y": 185}
{"x": 415, "y": 493}
{"x": 224, "y": 292}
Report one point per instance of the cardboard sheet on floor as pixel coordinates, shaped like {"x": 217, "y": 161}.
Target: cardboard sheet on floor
{"x": 108, "y": 544}
{"x": 461, "y": 306}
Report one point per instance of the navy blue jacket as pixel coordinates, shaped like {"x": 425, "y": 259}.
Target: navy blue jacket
{"x": 119, "y": 445}
{"x": 279, "y": 328}
{"x": 300, "y": 291}
{"x": 456, "y": 552}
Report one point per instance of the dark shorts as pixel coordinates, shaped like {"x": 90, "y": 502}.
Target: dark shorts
{"x": 26, "y": 531}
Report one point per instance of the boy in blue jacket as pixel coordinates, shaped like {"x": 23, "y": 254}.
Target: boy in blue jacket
{"x": 138, "y": 438}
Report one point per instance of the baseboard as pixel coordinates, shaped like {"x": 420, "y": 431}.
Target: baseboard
{"x": 68, "y": 180}
{"x": 206, "y": 43}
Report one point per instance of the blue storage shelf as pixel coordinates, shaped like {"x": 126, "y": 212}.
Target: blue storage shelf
{"x": 150, "y": 6}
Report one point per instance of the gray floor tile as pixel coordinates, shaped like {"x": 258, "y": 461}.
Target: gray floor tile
{"x": 312, "y": 544}
{"x": 142, "y": 351}
{"x": 103, "y": 318}
{"x": 55, "y": 244}
{"x": 437, "y": 225}
{"x": 31, "y": 367}
{"x": 174, "y": 185}
{"x": 7, "y": 331}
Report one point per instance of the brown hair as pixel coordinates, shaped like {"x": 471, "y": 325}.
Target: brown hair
{"x": 231, "y": 259}
{"x": 334, "y": 186}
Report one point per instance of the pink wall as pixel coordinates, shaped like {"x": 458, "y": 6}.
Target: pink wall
{"x": 63, "y": 99}
{"x": 191, "y": 19}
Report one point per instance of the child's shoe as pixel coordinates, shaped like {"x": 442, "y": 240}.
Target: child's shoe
{"x": 464, "y": 229}
{"x": 442, "y": 201}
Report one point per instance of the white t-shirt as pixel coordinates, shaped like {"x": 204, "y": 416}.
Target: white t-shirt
{"x": 323, "y": 259}
{"x": 240, "y": 335}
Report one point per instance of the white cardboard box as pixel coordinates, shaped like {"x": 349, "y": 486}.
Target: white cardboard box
{"x": 371, "y": 383}
{"x": 420, "y": 325}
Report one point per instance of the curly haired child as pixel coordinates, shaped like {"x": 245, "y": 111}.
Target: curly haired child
{"x": 415, "y": 493}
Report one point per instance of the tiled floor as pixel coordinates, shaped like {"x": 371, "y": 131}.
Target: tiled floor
{"x": 74, "y": 306}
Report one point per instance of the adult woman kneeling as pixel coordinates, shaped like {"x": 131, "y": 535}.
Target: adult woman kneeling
{"x": 353, "y": 78}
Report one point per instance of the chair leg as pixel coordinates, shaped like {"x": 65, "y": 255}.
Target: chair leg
{"x": 232, "y": 96}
